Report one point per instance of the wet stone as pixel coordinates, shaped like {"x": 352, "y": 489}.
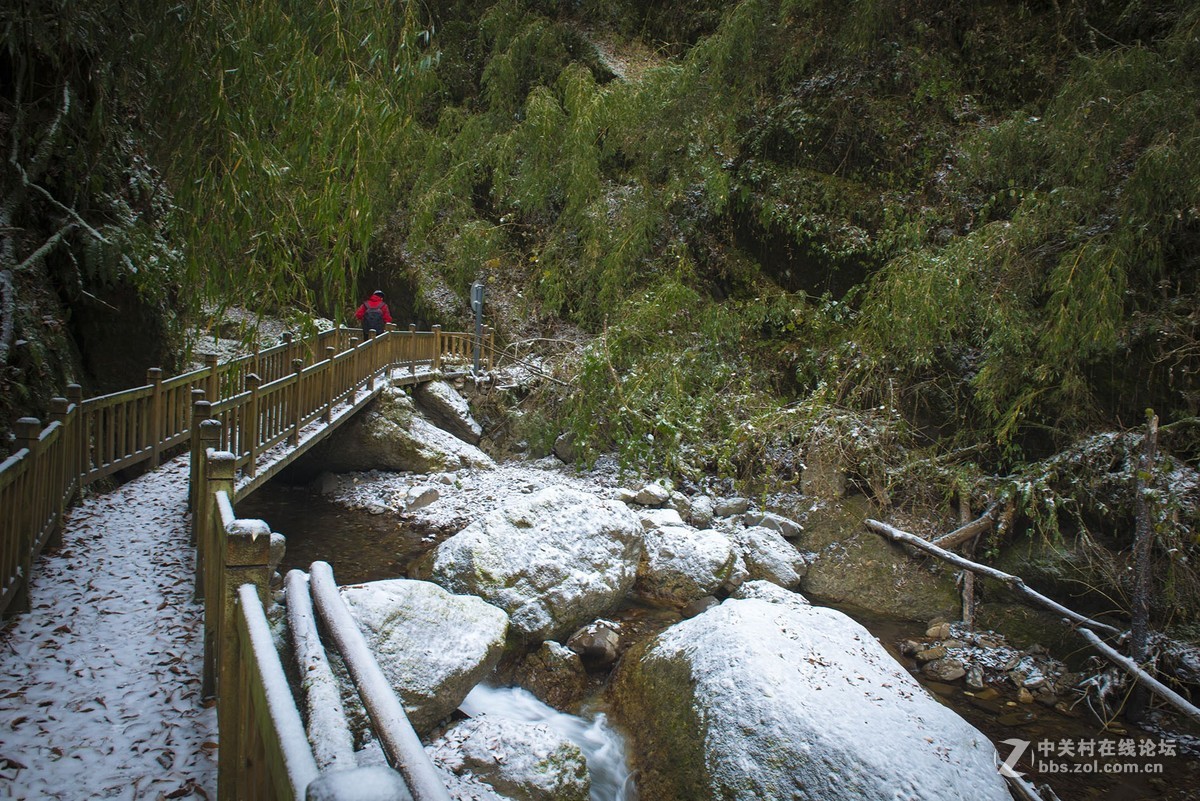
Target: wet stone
{"x": 944, "y": 669}
{"x": 930, "y": 654}
{"x": 938, "y": 631}
{"x": 1019, "y": 718}
{"x": 975, "y": 677}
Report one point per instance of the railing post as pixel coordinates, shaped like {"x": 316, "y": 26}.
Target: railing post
{"x": 412, "y": 348}
{"x": 355, "y": 368}
{"x": 330, "y": 352}
{"x": 213, "y": 389}
{"x": 59, "y": 408}
{"x": 27, "y": 430}
{"x": 250, "y": 423}
{"x": 295, "y": 395}
{"x": 201, "y": 411}
{"x": 245, "y": 553}
{"x": 437, "y": 347}
{"x": 153, "y": 426}
{"x": 219, "y": 471}
{"x": 289, "y": 352}
{"x": 80, "y": 434}
{"x": 202, "y": 512}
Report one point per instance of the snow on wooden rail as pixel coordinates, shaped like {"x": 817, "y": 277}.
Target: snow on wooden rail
{"x": 400, "y": 742}
{"x": 260, "y": 400}
{"x": 264, "y": 749}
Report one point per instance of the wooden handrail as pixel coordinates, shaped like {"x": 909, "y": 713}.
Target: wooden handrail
{"x": 89, "y": 440}
{"x": 400, "y": 743}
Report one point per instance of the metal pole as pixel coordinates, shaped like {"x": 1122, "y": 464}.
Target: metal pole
{"x": 477, "y": 306}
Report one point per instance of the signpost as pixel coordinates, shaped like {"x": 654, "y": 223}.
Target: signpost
{"x": 477, "y": 307}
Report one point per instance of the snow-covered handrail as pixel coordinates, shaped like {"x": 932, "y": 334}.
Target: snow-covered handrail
{"x": 400, "y": 742}
{"x": 261, "y": 400}
{"x": 284, "y": 762}
{"x": 328, "y": 730}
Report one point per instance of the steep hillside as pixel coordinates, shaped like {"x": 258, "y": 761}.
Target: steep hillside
{"x": 941, "y": 245}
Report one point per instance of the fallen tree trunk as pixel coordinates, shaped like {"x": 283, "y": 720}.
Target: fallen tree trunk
{"x": 1017, "y": 584}
{"x": 1013, "y": 582}
{"x": 968, "y": 531}
{"x": 1145, "y": 679}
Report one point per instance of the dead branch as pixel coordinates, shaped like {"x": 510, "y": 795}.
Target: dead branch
{"x": 1145, "y": 679}
{"x": 968, "y": 531}
{"x": 1016, "y": 583}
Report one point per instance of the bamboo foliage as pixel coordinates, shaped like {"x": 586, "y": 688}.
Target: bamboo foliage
{"x": 290, "y": 155}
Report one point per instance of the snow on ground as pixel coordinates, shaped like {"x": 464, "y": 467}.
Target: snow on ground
{"x": 468, "y": 494}
{"x": 100, "y": 682}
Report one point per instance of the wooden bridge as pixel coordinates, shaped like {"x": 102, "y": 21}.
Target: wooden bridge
{"x": 242, "y": 421}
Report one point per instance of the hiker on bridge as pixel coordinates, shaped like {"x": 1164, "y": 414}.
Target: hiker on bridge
{"x": 373, "y": 314}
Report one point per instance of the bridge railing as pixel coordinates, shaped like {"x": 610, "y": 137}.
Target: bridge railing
{"x": 262, "y": 399}
{"x": 266, "y": 752}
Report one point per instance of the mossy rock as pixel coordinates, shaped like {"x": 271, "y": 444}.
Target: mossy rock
{"x": 856, "y": 566}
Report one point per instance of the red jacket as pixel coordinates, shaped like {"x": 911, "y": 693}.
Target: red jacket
{"x": 373, "y": 302}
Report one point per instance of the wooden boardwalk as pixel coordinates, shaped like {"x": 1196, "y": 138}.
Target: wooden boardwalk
{"x": 103, "y": 675}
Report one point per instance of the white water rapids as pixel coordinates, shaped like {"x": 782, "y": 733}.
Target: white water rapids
{"x": 601, "y": 744}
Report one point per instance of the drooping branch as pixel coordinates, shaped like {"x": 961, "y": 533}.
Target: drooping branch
{"x": 1016, "y": 583}
{"x": 1145, "y": 679}
{"x": 47, "y": 246}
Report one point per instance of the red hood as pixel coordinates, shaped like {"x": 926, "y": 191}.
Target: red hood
{"x": 374, "y": 302}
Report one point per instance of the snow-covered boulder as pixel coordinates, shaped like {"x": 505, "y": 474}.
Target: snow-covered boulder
{"x": 700, "y": 513}
{"x": 784, "y": 525}
{"x": 654, "y": 494}
{"x": 769, "y": 556}
{"x": 681, "y": 564}
{"x": 523, "y": 761}
{"x": 409, "y": 625}
{"x": 391, "y": 434}
{"x": 658, "y": 518}
{"x": 731, "y": 507}
{"x": 448, "y": 410}
{"x": 553, "y": 559}
{"x": 759, "y": 699}
{"x": 767, "y": 591}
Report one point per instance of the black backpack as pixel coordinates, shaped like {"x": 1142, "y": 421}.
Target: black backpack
{"x": 373, "y": 319}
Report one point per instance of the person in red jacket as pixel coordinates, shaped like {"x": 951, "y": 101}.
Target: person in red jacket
{"x": 373, "y": 314}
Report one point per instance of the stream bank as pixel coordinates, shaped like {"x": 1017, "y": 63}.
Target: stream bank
{"x": 358, "y": 527}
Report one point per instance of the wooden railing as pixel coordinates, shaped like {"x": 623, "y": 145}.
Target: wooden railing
{"x": 261, "y": 401}
{"x": 265, "y": 748}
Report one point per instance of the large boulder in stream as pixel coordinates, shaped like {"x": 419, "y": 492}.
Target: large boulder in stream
{"x": 391, "y": 434}
{"x": 553, "y": 560}
{"x": 769, "y": 556}
{"x": 681, "y": 564}
{"x": 448, "y": 409}
{"x": 857, "y": 567}
{"x": 433, "y": 647}
{"x": 524, "y": 761}
{"x": 759, "y": 699}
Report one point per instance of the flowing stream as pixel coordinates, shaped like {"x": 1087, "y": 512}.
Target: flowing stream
{"x": 602, "y": 746}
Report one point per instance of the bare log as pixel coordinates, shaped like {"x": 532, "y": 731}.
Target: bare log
{"x": 1143, "y": 678}
{"x": 1013, "y": 582}
{"x": 968, "y": 531}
